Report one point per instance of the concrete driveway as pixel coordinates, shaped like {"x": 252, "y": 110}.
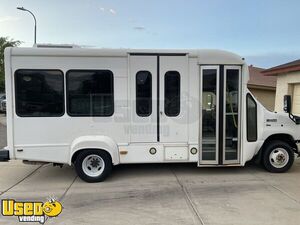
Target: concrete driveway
{"x": 2, "y": 130}
{"x": 159, "y": 194}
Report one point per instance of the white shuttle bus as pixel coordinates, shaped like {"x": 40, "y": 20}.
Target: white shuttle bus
{"x": 96, "y": 108}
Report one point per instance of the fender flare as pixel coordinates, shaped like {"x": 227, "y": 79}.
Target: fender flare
{"x": 285, "y": 137}
{"x": 95, "y": 142}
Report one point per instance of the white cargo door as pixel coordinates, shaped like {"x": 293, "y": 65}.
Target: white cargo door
{"x": 173, "y": 94}
{"x": 143, "y": 88}
{"x": 296, "y": 100}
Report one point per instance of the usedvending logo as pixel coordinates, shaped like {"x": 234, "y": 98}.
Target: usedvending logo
{"x": 31, "y": 211}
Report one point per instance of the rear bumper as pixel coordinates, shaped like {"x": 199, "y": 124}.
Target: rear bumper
{"x": 4, "y": 155}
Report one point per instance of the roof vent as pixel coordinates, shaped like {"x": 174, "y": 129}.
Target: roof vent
{"x": 56, "y": 46}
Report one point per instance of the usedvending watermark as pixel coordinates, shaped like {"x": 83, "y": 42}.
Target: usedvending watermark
{"x": 31, "y": 211}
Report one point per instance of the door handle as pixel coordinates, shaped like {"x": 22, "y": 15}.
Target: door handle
{"x": 161, "y": 112}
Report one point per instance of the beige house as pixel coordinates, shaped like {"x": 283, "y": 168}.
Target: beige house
{"x": 262, "y": 87}
{"x": 288, "y": 83}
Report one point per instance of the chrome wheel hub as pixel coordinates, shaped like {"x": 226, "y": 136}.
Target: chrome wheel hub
{"x": 279, "y": 158}
{"x": 93, "y": 165}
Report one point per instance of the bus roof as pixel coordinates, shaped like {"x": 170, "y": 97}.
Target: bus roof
{"x": 205, "y": 56}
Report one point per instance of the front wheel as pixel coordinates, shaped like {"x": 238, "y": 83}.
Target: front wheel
{"x": 278, "y": 157}
{"x": 93, "y": 165}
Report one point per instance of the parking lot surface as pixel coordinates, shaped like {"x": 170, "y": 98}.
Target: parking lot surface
{"x": 2, "y": 131}
{"x": 158, "y": 194}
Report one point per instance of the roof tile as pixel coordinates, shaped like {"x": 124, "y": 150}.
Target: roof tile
{"x": 257, "y": 78}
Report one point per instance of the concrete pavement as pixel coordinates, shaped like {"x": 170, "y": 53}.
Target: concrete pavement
{"x": 2, "y": 136}
{"x": 2, "y": 130}
{"x": 159, "y": 194}
{"x": 2, "y": 119}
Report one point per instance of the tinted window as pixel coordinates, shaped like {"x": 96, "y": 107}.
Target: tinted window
{"x": 90, "y": 93}
{"x": 231, "y": 113}
{"x": 143, "y": 93}
{"x": 172, "y": 93}
{"x": 209, "y": 114}
{"x": 39, "y": 93}
{"x": 251, "y": 119}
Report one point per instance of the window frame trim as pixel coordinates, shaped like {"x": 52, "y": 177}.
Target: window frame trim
{"x": 63, "y": 90}
{"x": 151, "y": 86}
{"x": 177, "y": 114}
{"x": 67, "y": 93}
{"x": 248, "y": 95}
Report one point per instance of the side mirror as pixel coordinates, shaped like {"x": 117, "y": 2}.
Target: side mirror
{"x": 287, "y": 103}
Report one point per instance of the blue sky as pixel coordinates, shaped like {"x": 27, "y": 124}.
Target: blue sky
{"x": 265, "y": 32}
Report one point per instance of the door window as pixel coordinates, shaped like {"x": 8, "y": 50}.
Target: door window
{"x": 143, "y": 93}
{"x": 209, "y": 114}
{"x": 220, "y": 91}
{"x": 231, "y": 114}
{"x": 172, "y": 93}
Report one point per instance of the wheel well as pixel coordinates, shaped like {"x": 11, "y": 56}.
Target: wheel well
{"x": 278, "y": 137}
{"x": 74, "y": 156}
{"x": 281, "y": 137}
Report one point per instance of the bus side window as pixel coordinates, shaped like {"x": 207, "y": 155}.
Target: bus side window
{"x": 143, "y": 93}
{"x": 172, "y": 93}
{"x": 90, "y": 93}
{"x": 251, "y": 119}
{"x": 39, "y": 93}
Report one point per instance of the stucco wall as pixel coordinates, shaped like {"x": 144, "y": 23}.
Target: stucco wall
{"x": 266, "y": 97}
{"x": 284, "y": 86}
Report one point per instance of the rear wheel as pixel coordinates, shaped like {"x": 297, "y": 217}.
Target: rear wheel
{"x": 93, "y": 165}
{"x": 278, "y": 157}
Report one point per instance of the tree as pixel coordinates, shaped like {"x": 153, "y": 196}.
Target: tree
{"x": 5, "y": 42}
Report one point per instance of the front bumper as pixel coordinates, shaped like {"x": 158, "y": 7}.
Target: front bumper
{"x": 4, "y": 155}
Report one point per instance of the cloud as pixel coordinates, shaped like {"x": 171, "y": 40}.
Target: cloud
{"x": 8, "y": 18}
{"x": 139, "y": 28}
{"x": 112, "y": 11}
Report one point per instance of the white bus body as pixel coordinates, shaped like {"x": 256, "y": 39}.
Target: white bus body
{"x": 138, "y": 106}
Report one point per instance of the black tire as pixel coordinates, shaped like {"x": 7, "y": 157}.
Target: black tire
{"x": 93, "y": 179}
{"x": 266, "y": 156}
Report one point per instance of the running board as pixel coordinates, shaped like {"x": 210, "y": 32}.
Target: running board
{"x": 229, "y": 165}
